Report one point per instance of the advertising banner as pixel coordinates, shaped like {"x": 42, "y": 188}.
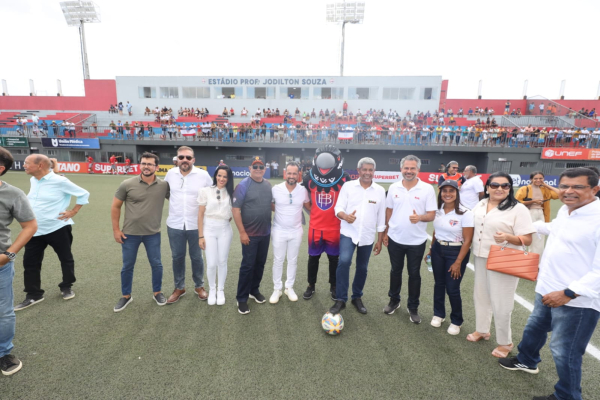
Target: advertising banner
{"x": 394, "y": 176}
{"x": 71, "y": 167}
{"x": 564, "y": 153}
{"x": 66, "y": 143}
{"x": 239, "y": 172}
{"x": 14, "y": 141}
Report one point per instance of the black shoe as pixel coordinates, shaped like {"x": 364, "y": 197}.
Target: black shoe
{"x": 551, "y": 397}
{"x": 160, "y": 299}
{"x": 67, "y": 294}
{"x": 308, "y": 294}
{"x": 243, "y": 308}
{"x": 123, "y": 302}
{"x": 513, "y": 364}
{"x": 337, "y": 307}
{"x": 258, "y": 297}
{"x": 414, "y": 316}
{"x": 10, "y": 364}
{"x": 391, "y": 307}
{"x": 360, "y": 307}
{"x": 28, "y": 302}
{"x": 333, "y": 296}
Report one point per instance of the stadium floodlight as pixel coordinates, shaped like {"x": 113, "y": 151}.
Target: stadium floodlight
{"x": 79, "y": 13}
{"x": 345, "y": 13}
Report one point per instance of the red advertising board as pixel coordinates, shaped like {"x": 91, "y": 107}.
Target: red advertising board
{"x": 98, "y": 168}
{"x": 565, "y": 153}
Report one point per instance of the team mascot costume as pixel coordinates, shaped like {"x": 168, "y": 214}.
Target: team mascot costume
{"x": 324, "y": 182}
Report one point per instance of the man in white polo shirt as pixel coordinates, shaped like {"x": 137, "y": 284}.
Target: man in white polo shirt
{"x": 185, "y": 181}
{"x": 567, "y": 293}
{"x": 410, "y": 204}
{"x": 471, "y": 190}
{"x": 361, "y": 207}
{"x": 287, "y": 232}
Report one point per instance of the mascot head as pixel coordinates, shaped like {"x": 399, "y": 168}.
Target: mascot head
{"x": 327, "y": 167}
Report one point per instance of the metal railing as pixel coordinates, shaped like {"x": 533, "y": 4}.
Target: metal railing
{"x": 364, "y": 135}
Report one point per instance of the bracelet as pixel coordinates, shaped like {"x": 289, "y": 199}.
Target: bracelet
{"x": 201, "y": 237}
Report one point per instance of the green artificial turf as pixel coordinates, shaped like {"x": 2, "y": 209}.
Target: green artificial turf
{"x": 81, "y": 349}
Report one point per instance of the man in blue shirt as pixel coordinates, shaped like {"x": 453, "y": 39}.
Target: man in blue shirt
{"x": 50, "y": 196}
{"x": 252, "y": 215}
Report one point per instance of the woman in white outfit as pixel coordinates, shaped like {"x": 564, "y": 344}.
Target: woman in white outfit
{"x": 498, "y": 218}
{"x": 214, "y": 230}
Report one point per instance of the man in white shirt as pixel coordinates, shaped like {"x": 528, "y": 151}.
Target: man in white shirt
{"x": 567, "y": 299}
{"x": 361, "y": 207}
{"x": 275, "y": 164}
{"x": 411, "y": 203}
{"x": 472, "y": 189}
{"x": 185, "y": 181}
{"x": 288, "y": 200}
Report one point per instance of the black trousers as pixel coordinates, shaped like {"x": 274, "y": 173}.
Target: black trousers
{"x": 414, "y": 256}
{"x": 313, "y": 269}
{"x": 60, "y": 241}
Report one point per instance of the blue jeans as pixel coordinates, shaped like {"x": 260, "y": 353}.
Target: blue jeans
{"x": 254, "y": 257}
{"x": 572, "y": 329}
{"x": 442, "y": 258}
{"x": 363, "y": 253}
{"x": 7, "y": 311}
{"x": 177, "y": 240}
{"x": 130, "y": 248}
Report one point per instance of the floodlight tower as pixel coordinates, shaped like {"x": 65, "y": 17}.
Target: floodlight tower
{"x": 78, "y": 13}
{"x": 345, "y": 13}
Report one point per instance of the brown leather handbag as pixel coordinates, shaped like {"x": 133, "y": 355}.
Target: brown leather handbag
{"x": 519, "y": 263}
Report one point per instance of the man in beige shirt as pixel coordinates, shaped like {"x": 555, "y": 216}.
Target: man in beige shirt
{"x": 144, "y": 197}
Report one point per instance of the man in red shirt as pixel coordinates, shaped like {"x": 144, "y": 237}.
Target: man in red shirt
{"x": 90, "y": 161}
{"x": 127, "y": 165}
{"x": 113, "y": 164}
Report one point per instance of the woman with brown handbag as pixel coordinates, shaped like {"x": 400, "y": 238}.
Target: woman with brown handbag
{"x": 498, "y": 218}
{"x": 536, "y": 198}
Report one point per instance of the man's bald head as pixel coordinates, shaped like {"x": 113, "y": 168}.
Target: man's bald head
{"x": 37, "y": 164}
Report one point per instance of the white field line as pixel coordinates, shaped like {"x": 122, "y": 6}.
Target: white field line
{"x": 590, "y": 349}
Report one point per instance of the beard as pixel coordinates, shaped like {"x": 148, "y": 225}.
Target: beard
{"x": 185, "y": 167}
{"x": 291, "y": 181}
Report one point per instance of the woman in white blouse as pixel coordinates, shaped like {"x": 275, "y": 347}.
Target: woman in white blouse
{"x": 498, "y": 218}
{"x": 214, "y": 230}
{"x": 450, "y": 249}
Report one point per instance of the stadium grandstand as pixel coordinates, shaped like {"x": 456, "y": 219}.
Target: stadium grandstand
{"x": 282, "y": 118}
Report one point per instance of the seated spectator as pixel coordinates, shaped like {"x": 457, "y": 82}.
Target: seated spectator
{"x": 231, "y": 112}
{"x": 258, "y": 112}
{"x": 244, "y": 112}
{"x": 225, "y": 113}
{"x": 277, "y": 114}
{"x": 286, "y": 112}
{"x": 470, "y": 112}
{"x": 297, "y": 113}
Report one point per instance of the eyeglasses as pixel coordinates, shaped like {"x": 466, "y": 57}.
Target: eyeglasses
{"x": 218, "y": 194}
{"x": 147, "y": 165}
{"x": 258, "y": 167}
{"x": 504, "y": 186}
{"x": 189, "y": 158}
{"x": 575, "y": 187}
{"x": 290, "y": 198}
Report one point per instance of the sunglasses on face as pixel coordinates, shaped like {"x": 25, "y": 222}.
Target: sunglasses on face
{"x": 258, "y": 167}
{"x": 189, "y": 158}
{"x": 504, "y": 186}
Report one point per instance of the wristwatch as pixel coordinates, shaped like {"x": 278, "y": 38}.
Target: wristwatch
{"x": 570, "y": 293}
{"x": 11, "y": 256}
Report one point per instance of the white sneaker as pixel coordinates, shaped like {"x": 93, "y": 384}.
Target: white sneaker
{"x": 212, "y": 297}
{"x": 220, "y": 298}
{"x": 291, "y": 294}
{"x": 437, "y": 321}
{"x": 453, "y": 329}
{"x": 275, "y": 297}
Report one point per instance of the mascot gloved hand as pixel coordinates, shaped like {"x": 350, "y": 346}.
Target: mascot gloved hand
{"x": 324, "y": 182}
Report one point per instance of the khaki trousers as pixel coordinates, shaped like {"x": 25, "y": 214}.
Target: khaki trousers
{"x": 494, "y": 294}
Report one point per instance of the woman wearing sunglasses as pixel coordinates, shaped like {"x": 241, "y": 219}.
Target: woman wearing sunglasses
{"x": 214, "y": 230}
{"x": 498, "y": 218}
{"x": 450, "y": 249}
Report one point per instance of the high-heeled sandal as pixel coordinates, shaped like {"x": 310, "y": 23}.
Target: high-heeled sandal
{"x": 502, "y": 351}
{"x": 476, "y": 336}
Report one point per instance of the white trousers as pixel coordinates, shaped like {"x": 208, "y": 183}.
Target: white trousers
{"x": 537, "y": 242}
{"x": 217, "y": 234}
{"x": 494, "y": 295}
{"x": 285, "y": 242}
